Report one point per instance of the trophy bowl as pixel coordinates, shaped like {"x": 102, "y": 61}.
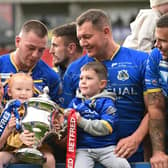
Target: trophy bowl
{"x": 37, "y": 119}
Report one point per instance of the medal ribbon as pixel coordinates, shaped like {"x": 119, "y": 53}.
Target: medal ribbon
{"x": 71, "y": 139}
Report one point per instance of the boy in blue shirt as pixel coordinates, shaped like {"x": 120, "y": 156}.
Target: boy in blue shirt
{"x": 96, "y": 120}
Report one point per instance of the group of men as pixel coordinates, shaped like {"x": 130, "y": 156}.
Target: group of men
{"x": 138, "y": 79}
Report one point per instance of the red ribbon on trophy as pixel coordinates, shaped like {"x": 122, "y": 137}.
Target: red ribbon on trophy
{"x": 71, "y": 139}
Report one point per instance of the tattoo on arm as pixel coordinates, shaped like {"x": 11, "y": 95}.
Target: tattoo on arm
{"x": 154, "y": 98}
{"x": 157, "y": 120}
{"x": 157, "y": 133}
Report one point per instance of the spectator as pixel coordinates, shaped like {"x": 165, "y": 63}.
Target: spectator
{"x": 142, "y": 35}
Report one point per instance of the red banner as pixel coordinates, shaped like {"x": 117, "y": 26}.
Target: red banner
{"x": 71, "y": 139}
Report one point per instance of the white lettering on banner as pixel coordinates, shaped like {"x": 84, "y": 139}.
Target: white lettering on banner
{"x": 6, "y": 115}
{"x": 70, "y": 163}
{"x": 4, "y": 120}
{"x": 71, "y": 146}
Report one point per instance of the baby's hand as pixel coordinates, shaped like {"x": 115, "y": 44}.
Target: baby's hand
{"x": 27, "y": 138}
{"x": 12, "y": 124}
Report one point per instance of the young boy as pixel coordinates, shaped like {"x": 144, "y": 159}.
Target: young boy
{"x": 21, "y": 88}
{"x": 96, "y": 120}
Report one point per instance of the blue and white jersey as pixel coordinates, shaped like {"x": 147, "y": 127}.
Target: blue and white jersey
{"x": 156, "y": 77}
{"x": 99, "y": 107}
{"x": 126, "y": 77}
{"x": 41, "y": 73}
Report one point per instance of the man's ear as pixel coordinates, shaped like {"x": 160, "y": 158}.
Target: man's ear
{"x": 71, "y": 48}
{"x": 106, "y": 30}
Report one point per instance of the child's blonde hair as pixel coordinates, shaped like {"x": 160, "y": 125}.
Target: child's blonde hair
{"x": 14, "y": 77}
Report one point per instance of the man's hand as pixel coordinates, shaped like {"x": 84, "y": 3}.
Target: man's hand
{"x": 126, "y": 147}
{"x": 159, "y": 160}
{"x": 27, "y": 138}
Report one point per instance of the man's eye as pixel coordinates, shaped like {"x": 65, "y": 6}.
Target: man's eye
{"x": 31, "y": 48}
{"x": 41, "y": 50}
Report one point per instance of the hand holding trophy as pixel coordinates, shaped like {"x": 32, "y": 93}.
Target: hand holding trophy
{"x": 37, "y": 120}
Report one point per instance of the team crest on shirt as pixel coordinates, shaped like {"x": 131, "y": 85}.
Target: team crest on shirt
{"x": 123, "y": 75}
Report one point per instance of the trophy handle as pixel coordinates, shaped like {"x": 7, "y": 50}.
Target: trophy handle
{"x": 58, "y": 123}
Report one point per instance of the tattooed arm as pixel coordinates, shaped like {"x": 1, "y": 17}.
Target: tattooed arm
{"x": 157, "y": 112}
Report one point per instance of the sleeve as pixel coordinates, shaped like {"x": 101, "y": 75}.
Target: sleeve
{"x": 106, "y": 123}
{"x": 146, "y": 36}
{"x": 142, "y": 35}
{"x": 95, "y": 127}
{"x": 152, "y": 72}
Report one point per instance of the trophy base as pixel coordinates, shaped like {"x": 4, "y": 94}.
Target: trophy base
{"x": 30, "y": 155}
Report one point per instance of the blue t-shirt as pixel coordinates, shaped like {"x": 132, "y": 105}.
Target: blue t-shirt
{"x": 126, "y": 77}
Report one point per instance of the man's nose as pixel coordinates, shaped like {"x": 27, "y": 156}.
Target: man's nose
{"x": 51, "y": 49}
{"x": 83, "y": 43}
{"x": 157, "y": 44}
{"x": 36, "y": 53}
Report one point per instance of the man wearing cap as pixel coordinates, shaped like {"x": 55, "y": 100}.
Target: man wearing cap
{"x": 142, "y": 35}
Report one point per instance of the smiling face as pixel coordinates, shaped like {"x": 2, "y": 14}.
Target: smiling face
{"x": 90, "y": 84}
{"x": 161, "y": 35}
{"x": 21, "y": 88}
{"x": 30, "y": 49}
{"x": 92, "y": 40}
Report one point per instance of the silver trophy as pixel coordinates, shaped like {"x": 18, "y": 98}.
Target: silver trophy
{"x": 40, "y": 113}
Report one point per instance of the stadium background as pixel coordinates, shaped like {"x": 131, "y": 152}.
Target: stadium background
{"x": 56, "y": 12}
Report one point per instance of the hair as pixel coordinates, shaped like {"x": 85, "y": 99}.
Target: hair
{"x": 98, "y": 67}
{"x": 163, "y": 21}
{"x": 68, "y": 32}
{"x": 14, "y": 77}
{"x": 96, "y": 16}
{"x": 36, "y": 26}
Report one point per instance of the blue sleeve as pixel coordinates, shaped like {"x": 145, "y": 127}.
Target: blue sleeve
{"x": 152, "y": 71}
{"x": 109, "y": 112}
